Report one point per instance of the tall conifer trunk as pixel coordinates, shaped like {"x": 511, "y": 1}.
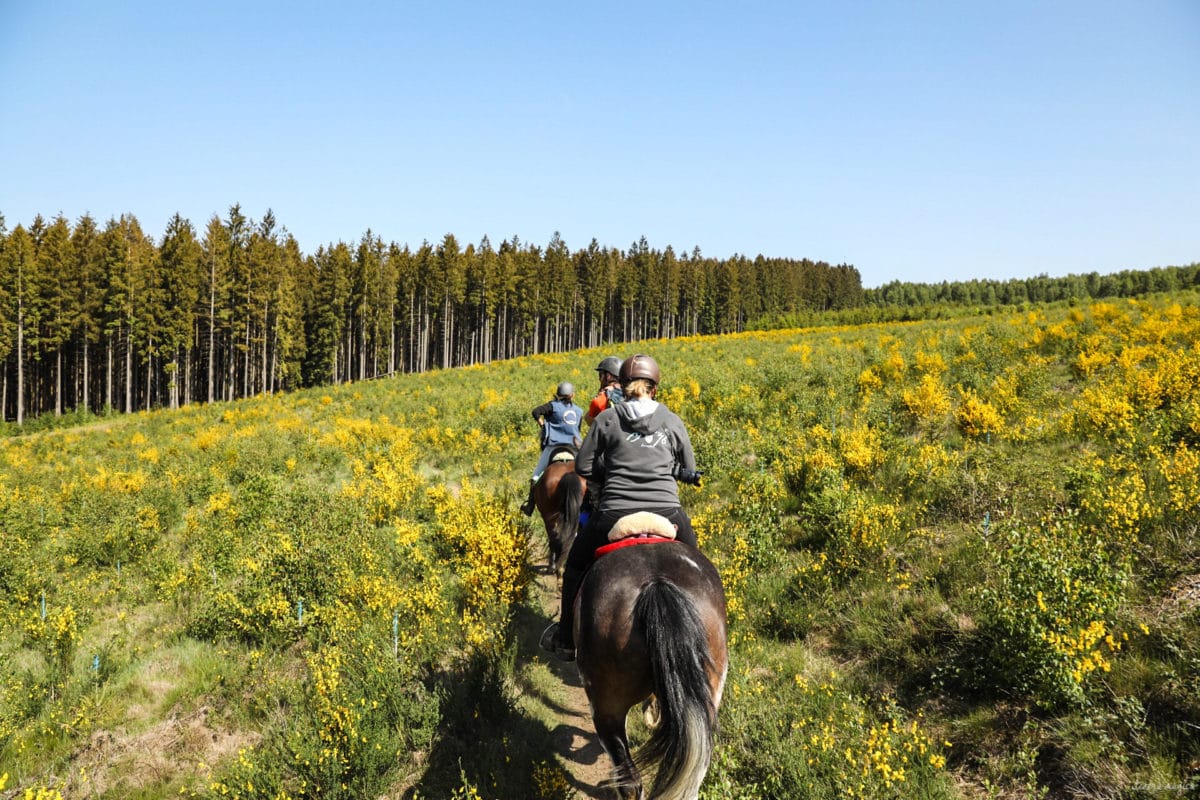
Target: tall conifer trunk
{"x": 20, "y": 358}
{"x": 58, "y": 382}
{"x": 86, "y": 389}
{"x": 129, "y": 371}
{"x": 108, "y": 380}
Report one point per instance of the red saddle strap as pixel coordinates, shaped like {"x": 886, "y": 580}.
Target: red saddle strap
{"x": 639, "y": 538}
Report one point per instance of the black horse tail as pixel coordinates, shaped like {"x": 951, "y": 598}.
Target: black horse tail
{"x": 682, "y": 742}
{"x": 571, "y": 489}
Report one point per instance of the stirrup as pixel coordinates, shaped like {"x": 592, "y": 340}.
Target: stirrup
{"x": 550, "y": 643}
{"x": 549, "y": 637}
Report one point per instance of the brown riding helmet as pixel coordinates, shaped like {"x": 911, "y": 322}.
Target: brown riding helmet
{"x": 640, "y": 366}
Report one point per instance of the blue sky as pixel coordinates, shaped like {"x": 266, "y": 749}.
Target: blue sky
{"x": 920, "y": 141}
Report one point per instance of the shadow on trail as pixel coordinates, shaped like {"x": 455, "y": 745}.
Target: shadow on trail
{"x": 484, "y": 738}
{"x": 487, "y": 739}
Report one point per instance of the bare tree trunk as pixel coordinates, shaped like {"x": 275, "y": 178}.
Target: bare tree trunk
{"x": 129, "y": 371}
{"x": 212, "y": 317}
{"x": 86, "y": 377}
{"x": 362, "y": 345}
{"x": 173, "y": 386}
{"x": 246, "y": 364}
{"x": 392, "y": 346}
{"x": 58, "y": 370}
{"x": 266, "y": 373}
{"x": 229, "y": 377}
{"x": 149, "y": 374}
{"x": 108, "y": 381}
{"x": 20, "y": 362}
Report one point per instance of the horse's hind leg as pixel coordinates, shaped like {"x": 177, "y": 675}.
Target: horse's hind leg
{"x": 626, "y": 780}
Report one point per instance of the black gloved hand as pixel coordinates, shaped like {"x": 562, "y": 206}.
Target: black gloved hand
{"x": 689, "y": 476}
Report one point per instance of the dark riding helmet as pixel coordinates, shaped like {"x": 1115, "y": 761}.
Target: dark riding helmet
{"x": 639, "y": 366}
{"x": 611, "y": 365}
{"x": 565, "y": 390}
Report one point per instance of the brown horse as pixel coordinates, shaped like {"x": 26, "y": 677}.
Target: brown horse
{"x": 650, "y": 621}
{"x": 558, "y": 497}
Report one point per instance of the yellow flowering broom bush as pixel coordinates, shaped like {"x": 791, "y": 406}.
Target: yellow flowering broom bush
{"x": 1050, "y": 611}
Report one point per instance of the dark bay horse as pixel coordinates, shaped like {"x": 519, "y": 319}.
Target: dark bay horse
{"x": 650, "y": 620}
{"x": 558, "y": 497}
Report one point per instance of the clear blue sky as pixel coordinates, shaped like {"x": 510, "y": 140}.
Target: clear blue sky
{"x": 921, "y": 141}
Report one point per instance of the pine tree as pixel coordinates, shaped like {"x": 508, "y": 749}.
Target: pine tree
{"x": 289, "y": 304}
{"x": 18, "y": 272}
{"x": 181, "y": 257}
{"x": 215, "y": 288}
{"x": 88, "y": 288}
{"x": 55, "y": 263}
{"x": 241, "y": 305}
{"x": 128, "y": 257}
{"x": 449, "y": 281}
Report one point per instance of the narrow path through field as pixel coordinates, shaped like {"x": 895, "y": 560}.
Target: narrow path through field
{"x": 563, "y": 704}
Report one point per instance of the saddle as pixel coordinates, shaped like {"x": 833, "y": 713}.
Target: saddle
{"x": 641, "y": 527}
{"x": 562, "y": 452}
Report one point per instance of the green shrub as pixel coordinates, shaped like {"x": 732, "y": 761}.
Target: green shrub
{"x": 1049, "y": 610}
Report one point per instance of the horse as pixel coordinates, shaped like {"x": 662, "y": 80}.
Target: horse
{"x": 558, "y": 497}
{"x": 650, "y": 622}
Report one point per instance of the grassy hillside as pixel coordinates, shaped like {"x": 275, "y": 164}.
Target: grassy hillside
{"x": 961, "y": 558}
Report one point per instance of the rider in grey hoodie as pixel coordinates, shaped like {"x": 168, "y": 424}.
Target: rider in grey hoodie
{"x": 635, "y": 451}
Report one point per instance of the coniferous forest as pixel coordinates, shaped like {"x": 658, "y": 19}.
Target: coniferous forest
{"x": 96, "y": 317}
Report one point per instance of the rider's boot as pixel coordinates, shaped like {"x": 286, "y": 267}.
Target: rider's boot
{"x": 527, "y": 506}
{"x": 564, "y": 641}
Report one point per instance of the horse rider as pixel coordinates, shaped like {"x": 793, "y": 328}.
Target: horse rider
{"x": 558, "y": 420}
{"x": 610, "y": 393}
{"x": 637, "y": 450}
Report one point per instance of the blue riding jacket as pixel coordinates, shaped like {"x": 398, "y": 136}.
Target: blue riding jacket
{"x": 562, "y": 428}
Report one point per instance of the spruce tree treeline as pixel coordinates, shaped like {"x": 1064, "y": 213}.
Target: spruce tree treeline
{"x": 902, "y": 301}
{"x": 98, "y": 317}
{"x": 1038, "y": 289}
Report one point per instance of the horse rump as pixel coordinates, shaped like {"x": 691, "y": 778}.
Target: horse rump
{"x": 570, "y": 487}
{"x": 681, "y": 744}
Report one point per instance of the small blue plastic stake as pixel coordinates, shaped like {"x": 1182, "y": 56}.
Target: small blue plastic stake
{"x": 300, "y": 612}
{"x": 43, "y": 606}
{"x": 396, "y": 635}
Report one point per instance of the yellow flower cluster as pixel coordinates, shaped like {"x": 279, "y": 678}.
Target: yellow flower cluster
{"x": 864, "y": 756}
{"x": 860, "y": 448}
{"x": 735, "y": 569}
{"x": 493, "y": 560}
{"x": 976, "y": 416}
{"x": 551, "y": 781}
{"x": 1181, "y": 471}
{"x": 1081, "y": 648}
{"x": 928, "y": 401}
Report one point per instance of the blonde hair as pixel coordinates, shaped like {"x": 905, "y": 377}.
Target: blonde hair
{"x": 639, "y": 388}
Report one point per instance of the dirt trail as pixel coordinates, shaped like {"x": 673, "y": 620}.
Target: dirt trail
{"x": 565, "y": 702}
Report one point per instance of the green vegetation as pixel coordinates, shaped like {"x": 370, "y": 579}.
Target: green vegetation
{"x": 961, "y": 558}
